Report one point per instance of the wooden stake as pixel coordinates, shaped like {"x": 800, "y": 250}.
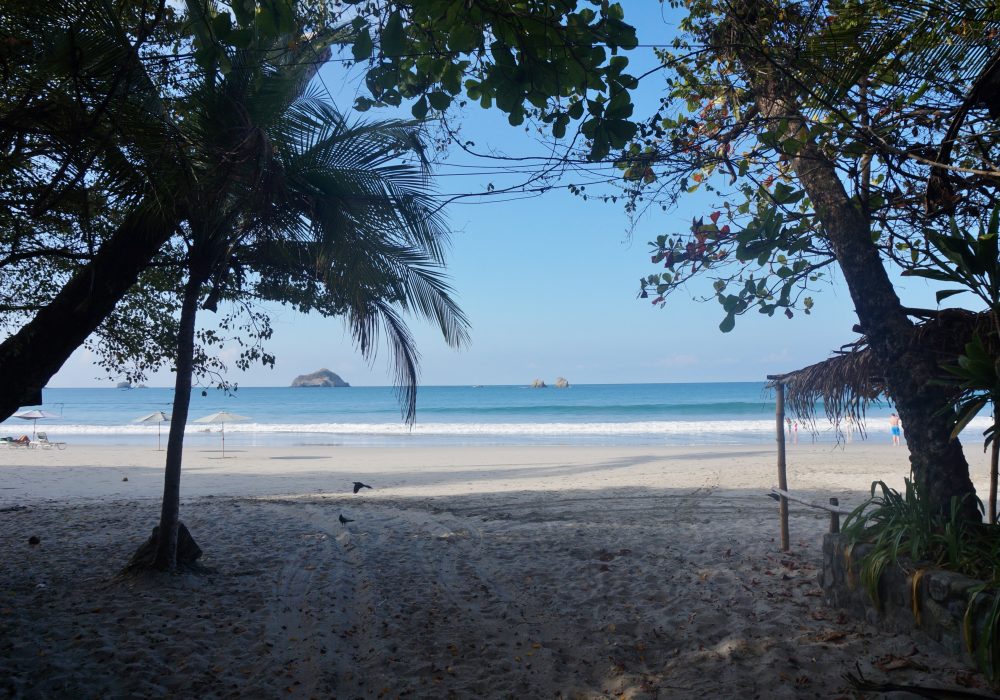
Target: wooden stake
{"x": 782, "y": 474}
{"x": 994, "y": 460}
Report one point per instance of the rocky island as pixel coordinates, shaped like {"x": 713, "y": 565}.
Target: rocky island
{"x": 323, "y": 377}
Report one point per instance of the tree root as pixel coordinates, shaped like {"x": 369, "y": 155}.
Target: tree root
{"x": 860, "y": 683}
{"x": 188, "y": 553}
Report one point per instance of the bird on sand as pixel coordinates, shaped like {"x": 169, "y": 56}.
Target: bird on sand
{"x": 358, "y": 486}
{"x": 343, "y": 520}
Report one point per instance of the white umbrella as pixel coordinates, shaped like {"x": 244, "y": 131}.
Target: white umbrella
{"x": 157, "y": 417}
{"x": 34, "y": 416}
{"x": 222, "y": 417}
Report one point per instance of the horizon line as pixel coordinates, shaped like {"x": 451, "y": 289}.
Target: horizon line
{"x": 392, "y": 386}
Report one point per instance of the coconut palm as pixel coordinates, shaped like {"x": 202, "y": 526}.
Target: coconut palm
{"x": 291, "y": 203}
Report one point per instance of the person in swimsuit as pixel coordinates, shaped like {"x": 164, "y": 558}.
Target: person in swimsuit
{"x": 895, "y": 428}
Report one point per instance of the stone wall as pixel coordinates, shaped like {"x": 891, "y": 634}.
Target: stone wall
{"x": 930, "y": 601}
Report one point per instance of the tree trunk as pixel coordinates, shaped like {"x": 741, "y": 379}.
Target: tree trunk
{"x": 994, "y": 460}
{"x": 937, "y": 462}
{"x": 29, "y": 358}
{"x": 166, "y": 536}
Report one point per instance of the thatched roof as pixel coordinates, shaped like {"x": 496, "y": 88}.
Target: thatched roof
{"x": 850, "y": 381}
{"x": 846, "y": 384}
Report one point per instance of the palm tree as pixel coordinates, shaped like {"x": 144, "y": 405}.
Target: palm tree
{"x": 291, "y": 203}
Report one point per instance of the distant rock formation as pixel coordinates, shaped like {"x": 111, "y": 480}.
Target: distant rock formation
{"x": 538, "y": 384}
{"x": 323, "y": 377}
{"x": 561, "y": 383}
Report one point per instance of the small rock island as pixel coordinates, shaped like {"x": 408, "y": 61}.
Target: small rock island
{"x": 322, "y": 378}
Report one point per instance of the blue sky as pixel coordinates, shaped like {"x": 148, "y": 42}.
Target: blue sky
{"x": 549, "y": 285}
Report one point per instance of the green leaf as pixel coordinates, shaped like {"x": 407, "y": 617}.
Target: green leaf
{"x": 620, "y": 107}
{"x": 937, "y": 275}
{"x": 285, "y": 16}
{"x": 463, "y": 38}
{"x": 222, "y": 25}
{"x": 783, "y": 194}
{"x": 559, "y": 126}
{"x": 617, "y": 64}
{"x": 728, "y": 323}
{"x": 244, "y": 11}
{"x": 207, "y": 56}
{"x": 363, "y": 46}
{"x": 267, "y": 21}
{"x": 394, "y": 36}
{"x": 945, "y": 293}
{"x": 419, "y": 108}
{"x": 241, "y": 38}
{"x": 791, "y": 146}
{"x": 439, "y": 100}
{"x": 967, "y": 412}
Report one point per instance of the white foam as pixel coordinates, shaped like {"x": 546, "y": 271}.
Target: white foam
{"x": 704, "y": 428}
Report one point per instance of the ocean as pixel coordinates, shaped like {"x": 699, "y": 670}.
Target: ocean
{"x": 705, "y": 413}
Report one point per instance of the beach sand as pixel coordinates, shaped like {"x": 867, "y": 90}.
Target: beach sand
{"x": 467, "y": 572}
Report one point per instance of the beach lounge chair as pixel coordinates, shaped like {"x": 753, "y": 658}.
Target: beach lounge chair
{"x": 43, "y": 441}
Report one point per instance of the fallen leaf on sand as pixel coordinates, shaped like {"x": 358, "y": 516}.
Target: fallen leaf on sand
{"x": 830, "y": 636}
{"x": 891, "y": 662}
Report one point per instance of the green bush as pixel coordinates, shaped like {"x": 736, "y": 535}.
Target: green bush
{"x": 904, "y": 531}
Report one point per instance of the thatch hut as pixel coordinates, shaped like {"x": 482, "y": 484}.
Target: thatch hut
{"x": 853, "y": 378}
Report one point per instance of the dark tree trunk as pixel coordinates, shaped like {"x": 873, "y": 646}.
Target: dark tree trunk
{"x": 29, "y": 358}
{"x": 166, "y": 535}
{"x": 936, "y": 460}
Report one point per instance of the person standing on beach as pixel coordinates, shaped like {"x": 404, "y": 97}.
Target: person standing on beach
{"x": 895, "y": 428}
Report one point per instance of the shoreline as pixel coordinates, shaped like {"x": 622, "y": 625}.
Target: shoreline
{"x": 568, "y": 572}
{"x": 97, "y": 472}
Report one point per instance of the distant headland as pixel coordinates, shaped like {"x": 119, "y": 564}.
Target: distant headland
{"x": 323, "y": 377}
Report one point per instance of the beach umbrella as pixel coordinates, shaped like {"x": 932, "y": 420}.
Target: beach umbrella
{"x": 158, "y": 417}
{"x": 222, "y": 417}
{"x": 34, "y": 416}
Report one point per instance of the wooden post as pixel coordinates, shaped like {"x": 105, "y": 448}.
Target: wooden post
{"x": 994, "y": 461}
{"x": 834, "y": 517}
{"x": 779, "y": 412}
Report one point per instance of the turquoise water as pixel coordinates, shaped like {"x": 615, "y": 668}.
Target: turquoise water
{"x": 614, "y": 414}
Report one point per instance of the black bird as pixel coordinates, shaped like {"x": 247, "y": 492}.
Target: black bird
{"x": 343, "y": 520}
{"x": 358, "y": 486}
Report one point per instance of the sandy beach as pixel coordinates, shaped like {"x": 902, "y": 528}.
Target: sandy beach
{"x": 467, "y": 572}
